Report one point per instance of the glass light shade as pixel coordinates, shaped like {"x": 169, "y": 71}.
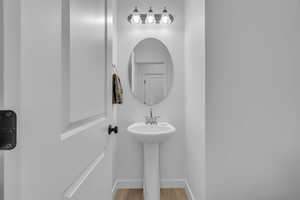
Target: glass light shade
{"x": 150, "y": 19}
{"x": 136, "y": 19}
{"x": 165, "y": 17}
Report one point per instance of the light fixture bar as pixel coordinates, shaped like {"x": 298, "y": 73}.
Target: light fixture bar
{"x": 141, "y": 18}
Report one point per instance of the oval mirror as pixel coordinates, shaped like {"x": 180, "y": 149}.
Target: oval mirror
{"x": 150, "y": 71}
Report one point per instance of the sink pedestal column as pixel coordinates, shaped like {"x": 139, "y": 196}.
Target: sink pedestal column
{"x": 151, "y": 172}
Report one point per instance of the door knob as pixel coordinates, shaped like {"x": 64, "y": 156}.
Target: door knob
{"x": 112, "y": 129}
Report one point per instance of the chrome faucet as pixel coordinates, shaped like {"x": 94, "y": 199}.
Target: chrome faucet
{"x": 151, "y": 119}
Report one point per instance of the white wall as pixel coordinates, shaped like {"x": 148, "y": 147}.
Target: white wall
{"x": 195, "y": 96}
{"x": 253, "y": 99}
{"x": 129, "y": 151}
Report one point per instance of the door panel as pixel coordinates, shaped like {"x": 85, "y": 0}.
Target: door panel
{"x": 92, "y": 187}
{"x": 66, "y": 100}
{"x": 87, "y": 59}
{"x": 80, "y": 152}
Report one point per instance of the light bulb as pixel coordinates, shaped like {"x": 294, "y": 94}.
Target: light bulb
{"x": 136, "y": 18}
{"x": 150, "y": 19}
{"x": 165, "y": 17}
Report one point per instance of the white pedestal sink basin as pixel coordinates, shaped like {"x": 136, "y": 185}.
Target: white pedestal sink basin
{"x": 156, "y": 133}
{"x": 151, "y": 136}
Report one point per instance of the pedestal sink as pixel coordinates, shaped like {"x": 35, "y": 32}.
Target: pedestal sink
{"x": 151, "y": 136}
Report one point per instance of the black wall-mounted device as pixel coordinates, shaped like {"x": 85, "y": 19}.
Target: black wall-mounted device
{"x": 8, "y": 129}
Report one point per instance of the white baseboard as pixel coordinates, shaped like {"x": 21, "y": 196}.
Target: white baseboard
{"x": 165, "y": 183}
{"x": 128, "y": 183}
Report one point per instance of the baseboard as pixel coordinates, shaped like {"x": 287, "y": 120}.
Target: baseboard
{"x": 165, "y": 183}
{"x": 128, "y": 184}
{"x": 188, "y": 191}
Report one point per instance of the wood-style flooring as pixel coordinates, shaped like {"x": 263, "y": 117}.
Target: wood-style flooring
{"x": 137, "y": 194}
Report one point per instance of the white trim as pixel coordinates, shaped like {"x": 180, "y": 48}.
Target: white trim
{"x": 81, "y": 179}
{"x": 188, "y": 191}
{"x": 128, "y": 184}
{"x": 138, "y": 183}
{"x": 74, "y": 131}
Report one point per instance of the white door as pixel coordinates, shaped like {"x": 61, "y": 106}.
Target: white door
{"x": 62, "y": 94}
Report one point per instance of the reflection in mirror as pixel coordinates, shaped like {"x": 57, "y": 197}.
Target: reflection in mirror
{"x": 150, "y": 71}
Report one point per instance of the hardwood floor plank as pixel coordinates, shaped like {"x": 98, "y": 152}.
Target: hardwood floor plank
{"x": 137, "y": 194}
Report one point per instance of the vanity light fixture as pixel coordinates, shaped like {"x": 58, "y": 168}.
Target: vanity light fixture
{"x": 135, "y": 18}
{"x": 166, "y": 18}
{"x": 150, "y": 19}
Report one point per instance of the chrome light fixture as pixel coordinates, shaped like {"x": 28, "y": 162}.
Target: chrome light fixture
{"x": 135, "y": 18}
{"x": 166, "y": 18}
{"x": 150, "y": 19}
